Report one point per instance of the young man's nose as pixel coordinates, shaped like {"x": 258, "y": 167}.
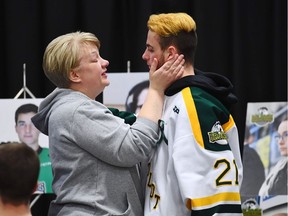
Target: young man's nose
{"x": 144, "y": 56}
{"x": 28, "y": 128}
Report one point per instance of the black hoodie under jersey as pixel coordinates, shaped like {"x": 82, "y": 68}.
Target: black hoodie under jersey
{"x": 215, "y": 84}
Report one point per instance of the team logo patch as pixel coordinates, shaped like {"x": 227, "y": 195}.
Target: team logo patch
{"x": 250, "y": 204}
{"x": 262, "y": 117}
{"x": 41, "y": 187}
{"x": 218, "y": 135}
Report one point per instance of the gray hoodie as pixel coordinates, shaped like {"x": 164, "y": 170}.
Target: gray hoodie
{"x": 94, "y": 155}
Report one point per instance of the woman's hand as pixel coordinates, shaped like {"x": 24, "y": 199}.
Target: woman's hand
{"x": 170, "y": 71}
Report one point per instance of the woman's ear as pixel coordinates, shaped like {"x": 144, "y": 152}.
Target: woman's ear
{"x": 74, "y": 76}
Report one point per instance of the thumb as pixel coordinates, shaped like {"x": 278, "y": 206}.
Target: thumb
{"x": 154, "y": 65}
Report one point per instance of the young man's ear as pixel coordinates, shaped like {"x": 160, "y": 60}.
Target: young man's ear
{"x": 171, "y": 52}
{"x": 74, "y": 76}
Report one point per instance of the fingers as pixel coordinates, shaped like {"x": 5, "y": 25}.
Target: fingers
{"x": 170, "y": 71}
{"x": 178, "y": 62}
{"x": 174, "y": 66}
{"x": 177, "y": 65}
{"x": 179, "y": 70}
{"x": 172, "y": 63}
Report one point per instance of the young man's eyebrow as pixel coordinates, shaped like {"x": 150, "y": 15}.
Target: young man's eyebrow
{"x": 20, "y": 122}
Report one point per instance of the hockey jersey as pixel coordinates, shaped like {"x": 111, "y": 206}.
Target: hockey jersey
{"x": 196, "y": 168}
{"x": 45, "y": 175}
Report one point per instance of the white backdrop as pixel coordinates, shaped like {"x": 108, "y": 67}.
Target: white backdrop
{"x": 116, "y": 93}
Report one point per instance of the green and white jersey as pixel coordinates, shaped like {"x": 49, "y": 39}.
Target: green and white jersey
{"x": 45, "y": 175}
{"x": 196, "y": 168}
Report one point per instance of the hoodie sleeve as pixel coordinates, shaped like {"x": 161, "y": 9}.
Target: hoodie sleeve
{"x": 107, "y": 137}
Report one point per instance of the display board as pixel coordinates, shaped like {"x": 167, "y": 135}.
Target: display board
{"x": 262, "y": 156}
{"x": 24, "y": 131}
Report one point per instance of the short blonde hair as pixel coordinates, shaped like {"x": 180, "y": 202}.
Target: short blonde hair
{"x": 171, "y": 23}
{"x": 63, "y": 54}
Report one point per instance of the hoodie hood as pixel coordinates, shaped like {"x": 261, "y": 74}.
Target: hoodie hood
{"x": 41, "y": 119}
{"x": 215, "y": 84}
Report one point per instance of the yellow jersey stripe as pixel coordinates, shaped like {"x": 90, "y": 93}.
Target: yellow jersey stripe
{"x": 210, "y": 200}
{"x": 193, "y": 117}
{"x": 228, "y": 125}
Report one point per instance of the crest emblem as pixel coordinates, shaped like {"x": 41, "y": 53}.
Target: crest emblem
{"x": 41, "y": 188}
{"x": 262, "y": 117}
{"x": 217, "y": 134}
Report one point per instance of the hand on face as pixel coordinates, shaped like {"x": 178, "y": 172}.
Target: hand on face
{"x": 170, "y": 71}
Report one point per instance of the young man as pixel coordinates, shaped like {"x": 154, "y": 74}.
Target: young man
{"x": 26, "y": 131}
{"x": 19, "y": 169}
{"x": 196, "y": 168}
{"x": 29, "y": 135}
{"x": 94, "y": 153}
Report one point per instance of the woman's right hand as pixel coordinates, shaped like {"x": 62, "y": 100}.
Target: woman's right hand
{"x": 160, "y": 79}
{"x": 169, "y": 72}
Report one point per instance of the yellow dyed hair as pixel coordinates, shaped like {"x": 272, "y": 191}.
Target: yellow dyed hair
{"x": 168, "y": 24}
